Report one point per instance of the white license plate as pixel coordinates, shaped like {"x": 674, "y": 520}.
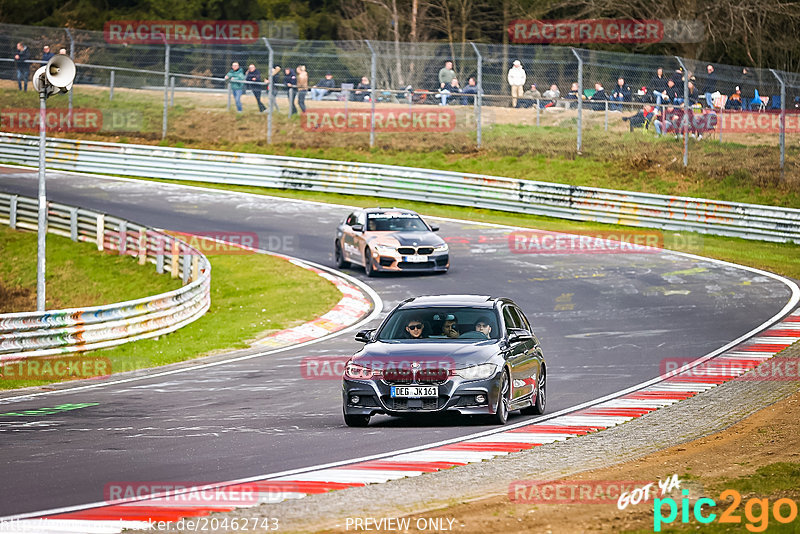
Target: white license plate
{"x": 413, "y": 392}
{"x": 415, "y": 259}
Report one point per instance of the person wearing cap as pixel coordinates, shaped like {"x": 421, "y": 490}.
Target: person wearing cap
{"x": 516, "y": 79}
{"x": 323, "y": 87}
{"x": 734, "y": 102}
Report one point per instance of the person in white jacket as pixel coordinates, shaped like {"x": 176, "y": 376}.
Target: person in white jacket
{"x": 516, "y": 79}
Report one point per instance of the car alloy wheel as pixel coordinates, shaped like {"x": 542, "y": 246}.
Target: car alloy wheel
{"x": 538, "y": 406}
{"x": 368, "y": 269}
{"x": 500, "y": 415}
{"x": 338, "y": 255}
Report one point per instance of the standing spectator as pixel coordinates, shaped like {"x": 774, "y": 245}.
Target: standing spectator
{"x": 516, "y": 79}
{"x": 21, "y": 57}
{"x": 236, "y": 76}
{"x": 658, "y": 83}
{"x": 622, "y": 93}
{"x": 529, "y": 97}
{"x": 361, "y": 94}
{"x": 46, "y": 54}
{"x": 302, "y": 87}
{"x": 253, "y": 75}
{"x": 600, "y": 97}
{"x": 710, "y": 85}
{"x": 734, "y": 102}
{"x": 323, "y": 87}
{"x": 552, "y": 94}
{"x": 276, "y": 70}
{"x": 290, "y": 81}
{"x": 446, "y": 75}
{"x": 470, "y": 89}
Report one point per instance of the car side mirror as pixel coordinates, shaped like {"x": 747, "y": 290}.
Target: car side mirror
{"x": 364, "y": 336}
{"x": 358, "y": 227}
{"x": 434, "y": 227}
{"x": 515, "y": 335}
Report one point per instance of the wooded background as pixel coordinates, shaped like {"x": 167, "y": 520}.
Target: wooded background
{"x": 755, "y": 33}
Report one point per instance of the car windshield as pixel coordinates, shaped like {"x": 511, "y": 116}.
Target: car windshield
{"x": 395, "y": 222}
{"x": 441, "y": 324}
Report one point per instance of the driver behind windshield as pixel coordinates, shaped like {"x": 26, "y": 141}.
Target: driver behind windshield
{"x": 483, "y": 326}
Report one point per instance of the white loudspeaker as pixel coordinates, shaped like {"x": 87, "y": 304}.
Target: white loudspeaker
{"x": 60, "y": 72}
{"x": 56, "y": 76}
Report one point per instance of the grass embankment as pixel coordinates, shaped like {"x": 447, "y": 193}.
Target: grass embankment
{"x": 743, "y": 169}
{"x": 250, "y": 296}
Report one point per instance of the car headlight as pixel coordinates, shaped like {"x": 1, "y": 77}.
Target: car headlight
{"x": 441, "y": 248}
{"x": 359, "y": 372}
{"x": 476, "y": 372}
{"x": 385, "y": 249}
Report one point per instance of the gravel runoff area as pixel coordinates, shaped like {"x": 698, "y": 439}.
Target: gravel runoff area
{"x": 698, "y": 416}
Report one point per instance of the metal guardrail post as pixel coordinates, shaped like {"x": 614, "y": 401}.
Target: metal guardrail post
{"x": 228, "y": 87}
{"x": 172, "y": 92}
{"x": 373, "y": 74}
{"x": 605, "y": 121}
{"x": 685, "y": 111}
{"x": 12, "y": 212}
{"x": 111, "y": 86}
{"x": 270, "y": 92}
{"x": 166, "y": 89}
{"x": 122, "y": 244}
{"x": 580, "y": 99}
{"x": 187, "y": 268}
{"x": 72, "y": 57}
{"x": 782, "y": 121}
{"x": 538, "y": 110}
{"x": 478, "y": 100}
{"x": 721, "y": 121}
{"x": 73, "y": 224}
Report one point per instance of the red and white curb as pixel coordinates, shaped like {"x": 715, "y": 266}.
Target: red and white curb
{"x": 670, "y": 388}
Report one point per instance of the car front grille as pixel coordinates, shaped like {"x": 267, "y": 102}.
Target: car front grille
{"x": 410, "y": 251}
{"x": 422, "y": 376}
{"x": 410, "y": 265}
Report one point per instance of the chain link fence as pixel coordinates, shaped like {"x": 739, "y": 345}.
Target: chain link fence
{"x": 397, "y": 95}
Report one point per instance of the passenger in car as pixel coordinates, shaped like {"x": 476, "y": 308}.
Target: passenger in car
{"x": 450, "y": 328}
{"x": 415, "y": 329}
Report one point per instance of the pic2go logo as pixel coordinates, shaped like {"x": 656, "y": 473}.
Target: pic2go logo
{"x": 756, "y": 511}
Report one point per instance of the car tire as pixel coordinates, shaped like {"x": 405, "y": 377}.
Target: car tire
{"x": 538, "y": 406}
{"x": 338, "y": 256}
{"x": 356, "y": 420}
{"x": 500, "y": 415}
{"x": 368, "y": 269}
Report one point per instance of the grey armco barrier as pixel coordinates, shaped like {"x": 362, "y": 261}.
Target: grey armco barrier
{"x": 29, "y": 334}
{"x": 750, "y": 221}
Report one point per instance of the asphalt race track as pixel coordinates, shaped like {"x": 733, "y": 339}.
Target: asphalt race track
{"x": 606, "y": 322}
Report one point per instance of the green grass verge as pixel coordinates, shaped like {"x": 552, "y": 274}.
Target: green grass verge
{"x": 768, "y": 484}
{"x": 780, "y": 258}
{"x": 77, "y": 274}
{"x": 250, "y": 295}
